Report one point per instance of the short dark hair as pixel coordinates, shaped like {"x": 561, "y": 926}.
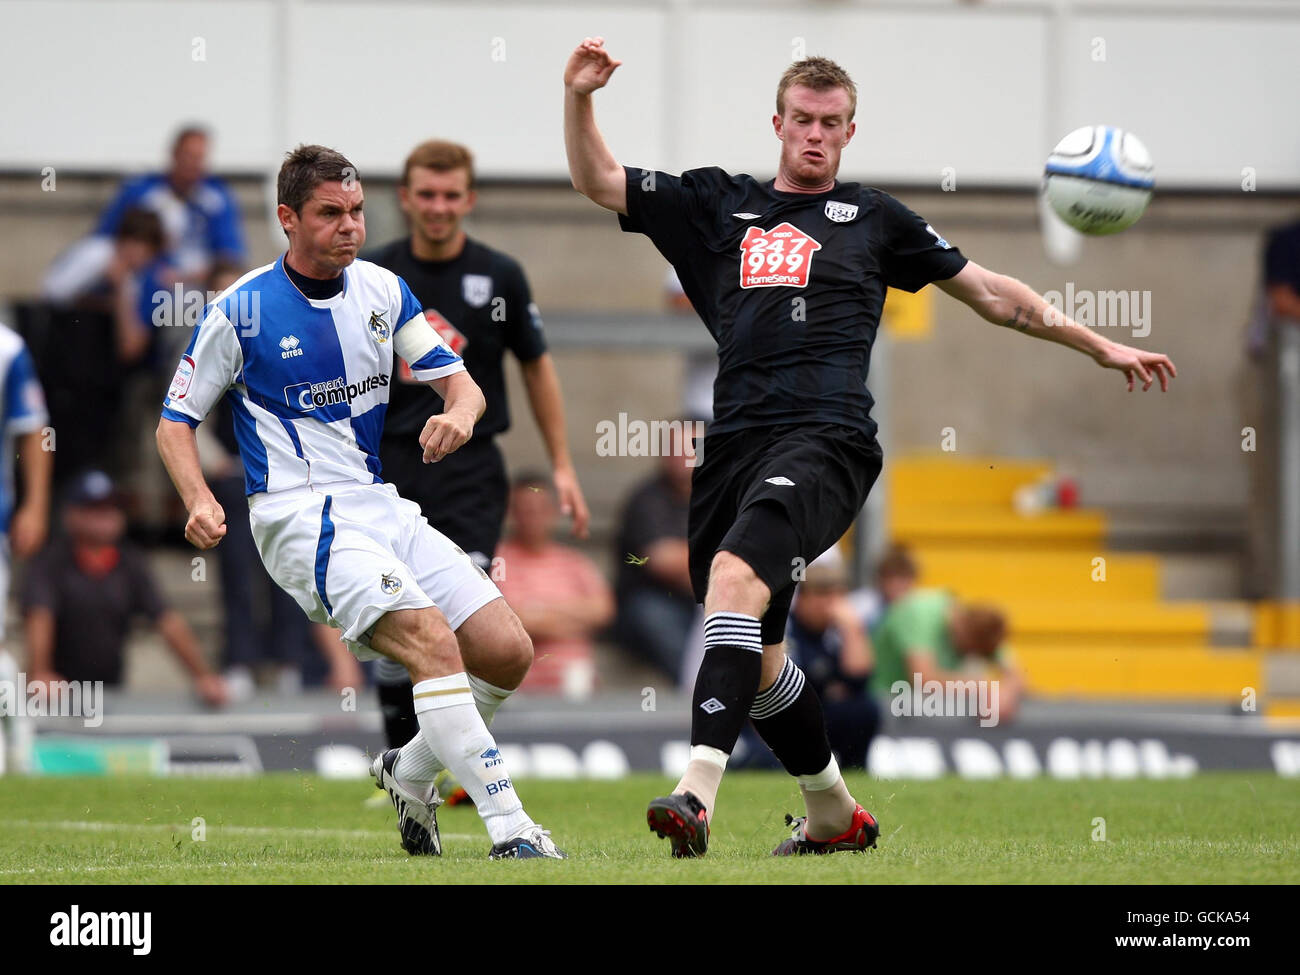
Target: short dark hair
{"x": 306, "y": 168}
{"x": 188, "y": 131}
{"x": 140, "y": 224}
{"x": 441, "y": 157}
{"x": 819, "y": 74}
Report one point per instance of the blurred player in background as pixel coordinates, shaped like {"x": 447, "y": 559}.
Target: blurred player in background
{"x": 306, "y": 348}
{"x": 789, "y": 276}
{"x": 478, "y": 300}
{"x": 23, "y": 527}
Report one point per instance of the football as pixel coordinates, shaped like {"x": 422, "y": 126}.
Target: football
{"x": 1099, "y": 179}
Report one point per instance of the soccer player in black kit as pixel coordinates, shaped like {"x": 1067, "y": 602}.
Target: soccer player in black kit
{"x": 478, "y": 300}
{"x": 789, "y": 276}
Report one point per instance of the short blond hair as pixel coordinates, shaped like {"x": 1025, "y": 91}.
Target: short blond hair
{"x": 441, "y": 157}
{"x": 819, "y": 74}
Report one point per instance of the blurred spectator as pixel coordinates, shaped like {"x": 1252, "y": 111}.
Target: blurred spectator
{"x": 88, "y": 382}
{"x": 896, "y": 575}
{"x": 22, "y": 526}
{"x": 81, "y": 593}
{"x": 1282, "y": 272}
{"x": 928, "y": 632}
{"x": 264, "y": 626}
{"x": 1276, "y": 306}
{"x": 198, "y": 213}
{"x": 556, "y": 591}
{"x": 827, "y": 639}
{"x": 137, "y": 275}
{"x": 656, "y": 605}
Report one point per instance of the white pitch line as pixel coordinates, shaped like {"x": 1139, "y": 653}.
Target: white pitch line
{"x": 88, "y": 826}
{"x": 32, "y": 871}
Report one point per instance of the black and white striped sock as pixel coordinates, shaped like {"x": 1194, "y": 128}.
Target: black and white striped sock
{"x": 783, "y": 692}
{"x": 788, "y": 717}
{"x": 727, "y": 680}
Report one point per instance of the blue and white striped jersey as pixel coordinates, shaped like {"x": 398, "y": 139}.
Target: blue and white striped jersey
{"x": 22, "y": 403}
{"x": 308, "y": 379}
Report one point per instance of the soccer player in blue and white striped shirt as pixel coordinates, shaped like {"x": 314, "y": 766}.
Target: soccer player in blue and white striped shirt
{"x": 23, "y": 421}
{"x": 305, "y": 347}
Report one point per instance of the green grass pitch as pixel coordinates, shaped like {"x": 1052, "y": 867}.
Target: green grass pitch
{"x": 288, "y": 828}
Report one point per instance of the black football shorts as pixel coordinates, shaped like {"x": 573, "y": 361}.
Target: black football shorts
{"x": 777, "y": 497}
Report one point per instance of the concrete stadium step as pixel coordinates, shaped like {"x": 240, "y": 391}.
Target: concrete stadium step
{"x": 978, "y": 528}
{"x": 943, "y": 479}
{"x": 1104, "y": 622}
{"x": 1054, "y": 575}
{"x": 1137, "y": 671}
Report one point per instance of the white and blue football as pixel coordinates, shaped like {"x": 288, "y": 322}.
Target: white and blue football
{"x": 1099, "y": 179}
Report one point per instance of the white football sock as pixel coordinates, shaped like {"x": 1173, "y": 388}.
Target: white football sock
{"x": 829, "y": 804}
{"x": 487, "y": 698}
{"x": 417, "y": 765}
{"x": 703, "y": 775}
{"x": 455, "y": 732}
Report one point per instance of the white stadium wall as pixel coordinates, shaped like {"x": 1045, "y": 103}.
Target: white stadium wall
{"x": 983, "y": 88}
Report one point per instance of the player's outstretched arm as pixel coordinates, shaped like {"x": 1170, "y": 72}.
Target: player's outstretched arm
{"x": 463, "y": 404}
{"x": 206, "y": 525}
{"x": 593, "y": 169}
{"x": 1005, "y": 301}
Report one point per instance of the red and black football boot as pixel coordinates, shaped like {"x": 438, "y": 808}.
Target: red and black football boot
{"x": 861, "y": 834}
{"x": 684, "y": 820}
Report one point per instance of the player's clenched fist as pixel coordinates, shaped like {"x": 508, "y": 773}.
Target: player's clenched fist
{"x": 444, "y": 433}
{"x": 206, "y": 525}
{"x": 589, "y": 66}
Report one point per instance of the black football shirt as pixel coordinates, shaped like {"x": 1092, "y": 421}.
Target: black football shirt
{"x": 480, "y": 303}
{"x": 790, "y": 285}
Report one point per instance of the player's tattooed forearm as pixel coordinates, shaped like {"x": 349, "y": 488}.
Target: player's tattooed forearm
{"x": 1020, "y": 320}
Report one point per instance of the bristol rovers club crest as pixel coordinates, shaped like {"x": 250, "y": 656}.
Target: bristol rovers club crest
{"x": 379, "y": 328}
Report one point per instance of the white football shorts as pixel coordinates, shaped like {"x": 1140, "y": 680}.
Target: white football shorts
{"x": 348, "y": 553}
